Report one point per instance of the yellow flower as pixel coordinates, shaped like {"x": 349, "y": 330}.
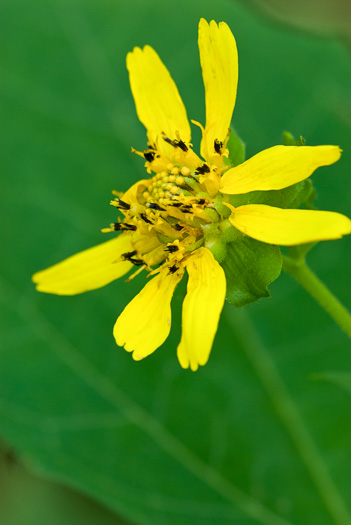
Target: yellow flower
{"x": 172, "y": 220}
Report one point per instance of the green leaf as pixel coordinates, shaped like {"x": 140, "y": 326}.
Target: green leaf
{"x": 237, "y": 149}
{"x": 341, "y": 379}
{"x": 305, "y": 196}
{"x": 152, "y": 442}
{"x": 250, "y": 266}
{"x": 290, "y": 197}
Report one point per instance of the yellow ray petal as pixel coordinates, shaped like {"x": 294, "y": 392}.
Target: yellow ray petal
{"x": 289, "y": 227}
{"x": 146, "y": 321}
{"x": 219, "y": 62}
{"x": 202, "y": 307}
{"x": 157, "y": 100}
{"x": 278, "y": 167}
{"x": 87, "y": 270}
{"x": 131, "y": 195}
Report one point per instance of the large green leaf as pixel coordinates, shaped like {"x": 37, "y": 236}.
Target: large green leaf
{"x": 249, "y": 438}
{"x": 341, "y": 379}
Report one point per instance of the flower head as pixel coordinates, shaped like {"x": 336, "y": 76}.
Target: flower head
{"x": 179, "y": 219}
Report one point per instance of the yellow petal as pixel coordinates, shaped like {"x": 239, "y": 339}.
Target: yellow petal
{"x": 219, "y": 62}
{"x": 289, "y": 227}
{"x": 157, "y": 100}
{"x": 202, "y": 307}
{"x": 278, "y": 167}
{"x": 146, "y": 321}
{"x": 131, "y": 195}
{"x": 86, "y": 270}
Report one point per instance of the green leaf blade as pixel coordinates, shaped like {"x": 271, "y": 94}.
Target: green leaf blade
{"x": 250, "y": 266}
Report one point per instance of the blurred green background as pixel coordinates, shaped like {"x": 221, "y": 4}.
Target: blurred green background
{"x": 262, "y": 434}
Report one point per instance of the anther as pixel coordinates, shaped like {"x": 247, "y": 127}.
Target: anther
{"x": 178, "y": 227}
{"x": 201, "y": 170}
{"x": 121, "y": 204}
{"x": 149, "y": 155}
{"x": 155, "y": 206}
{"x": 175, "y": 143}
{"x": 172, "y": 248}
{"x": 180, "y": 144}
{"x": 173, "y": 269}
{"x": 145, "y": 219}
{"x": 218, "y": 145}
{"x": 120, "y": 226}
{"x": 137, "y": 262}
{"x": 186, "y": 208}
{"x": 128, "y": 255}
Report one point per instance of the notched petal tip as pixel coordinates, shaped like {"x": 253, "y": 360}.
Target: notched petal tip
{"x": 145, "y": 323}
{"x": 219, "y": 63}
{"x": 202, "y": 307}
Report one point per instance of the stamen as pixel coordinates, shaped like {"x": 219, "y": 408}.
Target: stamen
{"x": 149, "y": 155}
{"x": 218, "y": 145}
{"x": 128, "y": 255}
{"x": 186, "y": 208}
{"x": 120, "y": 226}
{"x": 137, "y": 262}
{"x": 172, "y": 248}
{"x": 180, "y": 144}
{"x": 121, "y": 204}
{"x": 145, "y": 219}
{"x": 139, "y": 270}
{"x": 175, "y": 143}
{"x": 154, "y": 206}
{"x": 173, "y": 268}
{"x": 201, "y": 170}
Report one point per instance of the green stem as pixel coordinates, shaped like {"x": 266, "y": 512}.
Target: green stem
{"x": 289, "y": 414}
{"x": 304, "y": 275}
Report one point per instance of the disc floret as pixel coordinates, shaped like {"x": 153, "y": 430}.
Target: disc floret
{"x": 177, "y": 209}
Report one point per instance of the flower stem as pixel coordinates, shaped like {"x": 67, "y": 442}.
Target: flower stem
{"x": 304, "y": 275}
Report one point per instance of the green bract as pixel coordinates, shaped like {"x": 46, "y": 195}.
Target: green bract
{"x": 250, "y": 266}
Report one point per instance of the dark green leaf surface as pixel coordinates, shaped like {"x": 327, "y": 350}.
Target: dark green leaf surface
{"x": 341, "y": 379}
{"x": 236, "y": 149}
{"x": 250, "y": 266}
{"x": 290, "y": 197}
{"x": 249, "y": 438}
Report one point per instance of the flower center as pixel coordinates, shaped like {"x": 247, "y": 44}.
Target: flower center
{"x": 174, "y": 212}
{"x": 167, "y": 186}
